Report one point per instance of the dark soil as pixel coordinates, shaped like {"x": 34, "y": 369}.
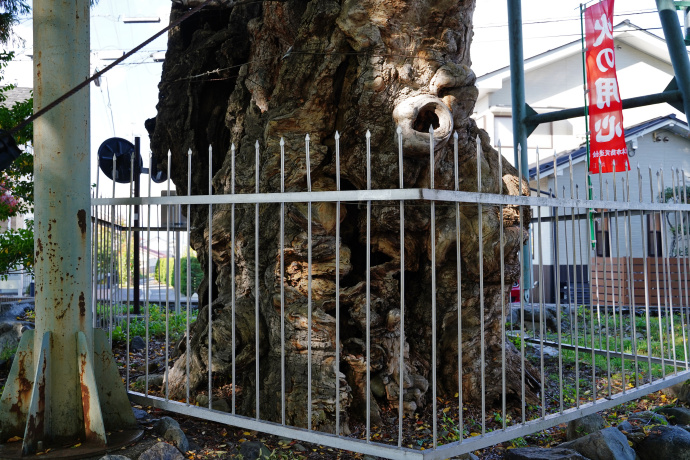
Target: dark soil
{"x": 212, "y": 440}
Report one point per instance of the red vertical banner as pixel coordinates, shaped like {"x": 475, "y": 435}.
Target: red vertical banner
{"x": 607, "y": 140}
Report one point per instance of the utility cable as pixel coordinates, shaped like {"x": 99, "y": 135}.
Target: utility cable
{"x": 98, "y": 74}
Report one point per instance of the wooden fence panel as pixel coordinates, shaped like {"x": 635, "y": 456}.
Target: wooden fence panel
{"x": 664, "y": 284}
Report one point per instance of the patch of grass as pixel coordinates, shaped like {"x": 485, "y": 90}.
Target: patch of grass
{"x": 8, "y": 353}
{"x": 176, "y": 324}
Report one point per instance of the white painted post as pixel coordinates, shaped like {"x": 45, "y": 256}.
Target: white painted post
{"x": 63, "y": 387}
{"x": 62, "y": 203}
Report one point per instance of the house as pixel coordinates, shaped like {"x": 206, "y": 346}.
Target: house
{"x": 660, "y": 157}
{"x": 554, "y": 81}
{"x": 656, "y": 135}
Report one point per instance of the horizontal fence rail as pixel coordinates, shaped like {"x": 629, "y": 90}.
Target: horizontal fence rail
{"x": 601, "y": 317}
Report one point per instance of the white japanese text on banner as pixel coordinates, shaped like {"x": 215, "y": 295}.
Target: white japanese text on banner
{"x": 607, "y": 143}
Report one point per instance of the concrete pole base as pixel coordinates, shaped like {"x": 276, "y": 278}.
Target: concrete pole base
{"x": 25, "y": 404}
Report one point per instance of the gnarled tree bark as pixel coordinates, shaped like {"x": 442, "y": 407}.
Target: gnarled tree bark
{"x": 272, "y": 70}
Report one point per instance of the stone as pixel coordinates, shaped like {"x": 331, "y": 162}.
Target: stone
{"x": 299, "y": 448}
{"x": 467, "y": 456}
{"x": 155, "y": 380}
{"x": 170, "y": 430}
{"x": 647, "y": 417}
{"x": 114, "y": 457}
{"x": 665, "y": 442}
{"x": 219, "y": 404}
{"x": 161, "y": 451}
{"x": 164, "y": 424}
{"x": 584, "y": 426}
{"x": 140, "y": 414}
{"x": 137, "y": 344}
{"x": 252, "y": 450}
{"x": 626, "y": 426}
{"x": 675, "y": 415}
{"x": 540, "y": 453}
{"x": 176, "y": 436}
{"x": 606, "y": 444}
{"x": 679, "y": 390}
{"x": 534, "y": 311}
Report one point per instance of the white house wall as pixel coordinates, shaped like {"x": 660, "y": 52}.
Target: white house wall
{"x": 559, "y": 85}
{"x": 658, "y": 155}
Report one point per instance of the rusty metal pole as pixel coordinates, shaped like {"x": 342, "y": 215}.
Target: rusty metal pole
{"x": 62, "y": 200}
{"x": 63, "y": 387}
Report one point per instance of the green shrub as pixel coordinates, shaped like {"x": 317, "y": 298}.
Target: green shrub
{"x": 197, "y": 274}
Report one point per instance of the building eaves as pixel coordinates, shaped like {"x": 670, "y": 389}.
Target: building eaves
{"x": 579, "y": 154}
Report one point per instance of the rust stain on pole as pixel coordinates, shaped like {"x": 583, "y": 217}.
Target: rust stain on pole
{"x": 82, "y": 305}
{"x": 81, "y": 218}
{"x": 85, "y": 400}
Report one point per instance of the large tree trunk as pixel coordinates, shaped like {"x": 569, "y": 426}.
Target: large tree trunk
{"x": 262, "y": 71}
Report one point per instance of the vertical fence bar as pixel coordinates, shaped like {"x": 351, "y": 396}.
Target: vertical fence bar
{"x": 645, "y": 276}
{"x": 401, "y": 370}
{"x": 678, "y": 239}
{"x": 685, "y": 254}
{"x": 96, "y": 245}
{"x": 111, "y": 277}
{"x": 129, "y": 235}
{"x": 585, "y": 277}
{"x": 503, "y": 292}
{"x": 595, "y": 288}
{"x": 621, "y": 292}
{"x": 168, "y": 216}
{"x": 434, "y": 411}
{"x": 557, "y": 266}
{"x": 148, "y": 279}
{"x": 337, "y": 287}
{"x": 368, "y": 290}
{"x": 575, "y": 337}
{"x": 568, "y": 283}
{"x": 232, "y": 271}
{"x": 189, "y": 272}
{"x": 282, "y": 292}
{"x": 523, "y": 399}
{"x": 656, "y": 271}
{"x": 669, "y": 285}
{"x": 257, "y": 288}
{"x": 480, "y": 236}
{"x": 541, "y": 295}
{"x": 631, "y": 276}
{"x": 210, "y": 283}
{"x": 458, "y": 274}
{"x": 309, "y": 294}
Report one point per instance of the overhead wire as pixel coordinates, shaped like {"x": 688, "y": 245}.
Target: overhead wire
{"x": 175, "y": 23}
{"x": 98, "y": 74}
{"x": 557, "y": 20}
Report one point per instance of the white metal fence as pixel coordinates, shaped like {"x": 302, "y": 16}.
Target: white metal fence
{"x": 605, "y": 323}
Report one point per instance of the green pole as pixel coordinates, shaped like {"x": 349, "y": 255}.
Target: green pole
{"x": 517, "y": 88}
{"x": 676, "y": 48}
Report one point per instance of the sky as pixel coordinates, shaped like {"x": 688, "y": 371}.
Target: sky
{"x": 128, "y": 94}
{"x": 546, "y": 25}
